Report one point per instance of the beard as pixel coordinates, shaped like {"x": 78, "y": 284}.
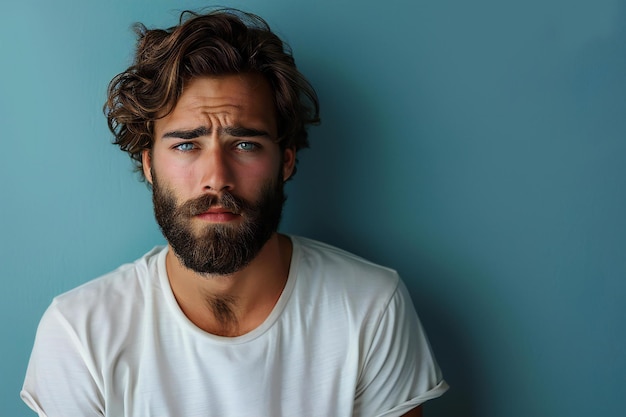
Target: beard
{"x": 218, "y": 249}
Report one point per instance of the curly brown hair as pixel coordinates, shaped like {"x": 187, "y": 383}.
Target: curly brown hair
{"x": 221, "y": 42}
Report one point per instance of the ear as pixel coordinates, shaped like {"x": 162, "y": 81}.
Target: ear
{"x": 289, "y": 162}
{"x": 146, "y": 162}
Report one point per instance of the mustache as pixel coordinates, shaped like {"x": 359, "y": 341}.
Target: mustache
{"x": 203, "y": 203}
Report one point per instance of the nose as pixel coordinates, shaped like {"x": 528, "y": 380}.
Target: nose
{"x": 217, "y": 174}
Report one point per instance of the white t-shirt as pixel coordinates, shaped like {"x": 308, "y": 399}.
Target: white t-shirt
{"x": 342, "y": 340}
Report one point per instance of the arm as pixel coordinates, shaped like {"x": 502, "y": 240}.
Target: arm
{"x": 399, "y": 370}
{"x": 58, "y": 380}
{"x": 416, "y": 412}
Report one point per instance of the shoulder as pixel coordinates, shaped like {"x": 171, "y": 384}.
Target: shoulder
{"x": 324, "y": 257}
{"x": 111, "y": 295}
{"x": 342, "y": 275}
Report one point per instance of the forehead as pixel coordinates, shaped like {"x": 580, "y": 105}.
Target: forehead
{"x": 238, "y": 99}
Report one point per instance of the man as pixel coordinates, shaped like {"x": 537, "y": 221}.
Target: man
{"x": 231, "y": 318}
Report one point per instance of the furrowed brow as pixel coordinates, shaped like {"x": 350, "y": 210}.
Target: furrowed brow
{"x": 187, "y": 134}
{"x": 244, "y": 132}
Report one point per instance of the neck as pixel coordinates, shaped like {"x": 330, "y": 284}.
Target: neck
{"x": 232, "y": 305}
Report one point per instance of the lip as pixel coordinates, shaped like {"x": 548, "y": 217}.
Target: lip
{"x": 218, "y": 215}
{"x": 218, "y": 210}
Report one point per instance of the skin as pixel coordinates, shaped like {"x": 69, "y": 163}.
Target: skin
{"x": 416, "y": 412}
{"x": 192, "y": 162}
{"x": 235, "y": 151}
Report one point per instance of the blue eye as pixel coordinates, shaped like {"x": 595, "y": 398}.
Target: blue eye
{"x": 247, "y": 146}
{"x": 185, "y": 146}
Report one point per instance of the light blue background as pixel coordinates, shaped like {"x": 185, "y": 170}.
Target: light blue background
{"x": 478, "y": 147}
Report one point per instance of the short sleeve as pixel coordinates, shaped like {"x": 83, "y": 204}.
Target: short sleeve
{"x": 59, "y": 380}
{"x": 399, "y": 371}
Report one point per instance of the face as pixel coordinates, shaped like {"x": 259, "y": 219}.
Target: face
{"x": 217, "y": 172}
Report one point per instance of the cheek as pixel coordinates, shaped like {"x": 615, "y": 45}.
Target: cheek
{"x": 261, "y": 171}
{"x": 183, "y": 178}
{"x": 256, "y": 171}
{"x": 173, "y": 174}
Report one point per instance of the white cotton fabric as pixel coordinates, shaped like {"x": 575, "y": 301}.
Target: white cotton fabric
{"x": 342, "y": 340}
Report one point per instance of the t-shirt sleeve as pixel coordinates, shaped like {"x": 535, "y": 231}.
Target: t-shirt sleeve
{"x": 60, "y": 380}
{"x": 399, "y": 370}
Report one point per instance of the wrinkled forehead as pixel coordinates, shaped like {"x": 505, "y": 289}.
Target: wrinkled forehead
{"x": 229, "y": 100}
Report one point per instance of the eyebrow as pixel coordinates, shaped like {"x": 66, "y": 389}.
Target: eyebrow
{"x": 236, "y": 131}
{"x": 187, "y": 134}
{"x": 244, "y": 132}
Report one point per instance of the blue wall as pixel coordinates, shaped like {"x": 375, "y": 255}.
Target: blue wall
{"x": 476, "y": 146}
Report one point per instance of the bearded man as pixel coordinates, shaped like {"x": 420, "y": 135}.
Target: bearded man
{"x": 231, "y": 318}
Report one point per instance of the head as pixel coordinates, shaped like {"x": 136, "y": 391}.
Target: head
{"x": 221, "y": 42}
{"x": 221, "y": 60}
